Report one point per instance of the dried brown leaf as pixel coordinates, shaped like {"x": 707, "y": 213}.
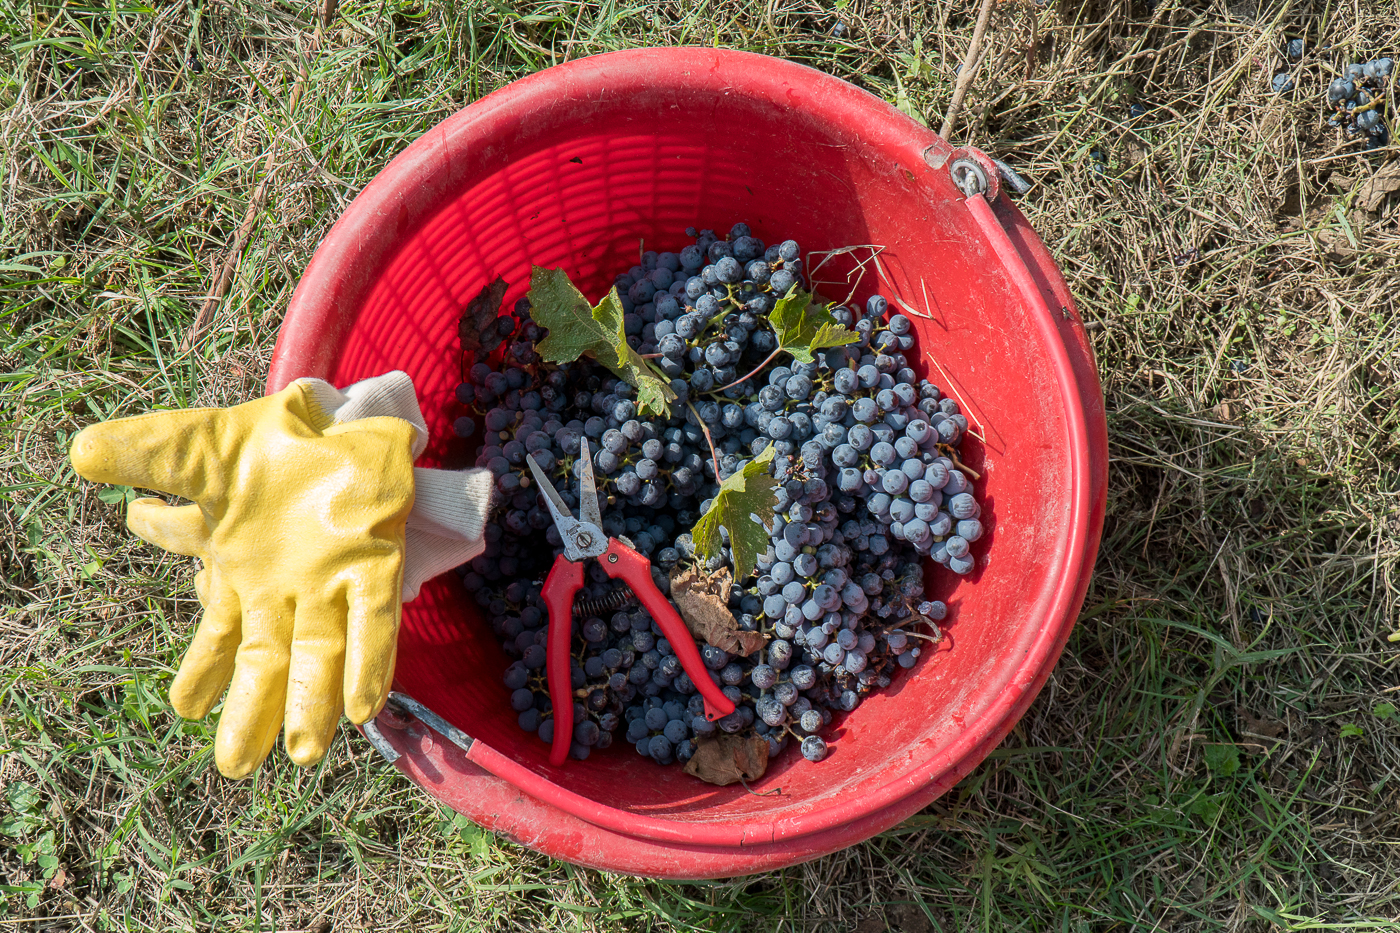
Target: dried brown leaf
{"x": 479, "y": 313}
{"x": 728, "y": 759}
{"x": 703, "y": 601}
{"x": 1264, "y": 727}
{"x": 1384, "y": 182}
{"x": 1336, "y": 245}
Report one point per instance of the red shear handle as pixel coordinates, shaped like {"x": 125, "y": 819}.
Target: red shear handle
{"x": 622, "y": 563}
{"x": 564, "y": 580}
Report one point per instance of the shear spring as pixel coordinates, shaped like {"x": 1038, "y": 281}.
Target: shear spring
{"x": 597, "y": 605}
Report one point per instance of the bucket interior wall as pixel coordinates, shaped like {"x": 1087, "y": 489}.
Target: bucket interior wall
{"x": 586, "y": 185}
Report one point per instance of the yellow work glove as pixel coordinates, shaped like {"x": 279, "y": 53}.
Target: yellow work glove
{"x": 300, "y": 525}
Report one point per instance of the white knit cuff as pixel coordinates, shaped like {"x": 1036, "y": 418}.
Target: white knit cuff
{"x": 390, "y": 395}
{"x": 451, "y": 503}
{"x": 445, "y": 528}
{"x": 426, "y": 555}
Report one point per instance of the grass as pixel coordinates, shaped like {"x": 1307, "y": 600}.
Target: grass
{"x": 1217, "y": 750}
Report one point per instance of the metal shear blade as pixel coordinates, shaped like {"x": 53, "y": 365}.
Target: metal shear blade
{"x": 587, "y": 488}
{"x": 583, "y": 537}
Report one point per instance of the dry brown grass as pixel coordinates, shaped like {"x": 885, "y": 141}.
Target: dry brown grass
{"x": 1210, "y": 753}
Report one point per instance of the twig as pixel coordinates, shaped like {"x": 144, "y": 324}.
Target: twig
{"x": 860, "y": 265}
{"x": 937, "y": 637}
{"x": 709, "y": 440}
{"x": 921, "y": 635}
{"x": 775, "y": 792}
{"x": 948, "y": 381}
{"x": 770, "y": 359}
{"x": 894, "y": 293}
{"x": 969, "y": 66}
{"x": 1337, "y": 154}
{"x": 926, "y": 316}
{"x": 235, "y": 251}
{"x": 828, "y": 254}
{"x": 1033, "y": 49}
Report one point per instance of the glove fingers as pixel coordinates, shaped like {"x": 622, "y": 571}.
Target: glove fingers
{"x": 371, "y": 642}
{"x": 257, "y": 696}
{"x": 314, "y": 697}
{"x": 172, "y": 451}
{"x": 178, "y": 529}
{"x": 205, "y": 669}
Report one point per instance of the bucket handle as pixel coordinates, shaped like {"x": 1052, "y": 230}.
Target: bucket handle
{"x": 543, "y": 789}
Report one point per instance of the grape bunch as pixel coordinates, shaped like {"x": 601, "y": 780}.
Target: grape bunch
{"x": 865, "y": 458}
{"x": 520, "y": 352}
{"x": 1356, "y": 101}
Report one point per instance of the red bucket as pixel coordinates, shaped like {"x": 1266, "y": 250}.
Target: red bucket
{"x": 572, "y": 167}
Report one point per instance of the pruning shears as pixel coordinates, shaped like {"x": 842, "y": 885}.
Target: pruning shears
{"x": 583, "y": 537}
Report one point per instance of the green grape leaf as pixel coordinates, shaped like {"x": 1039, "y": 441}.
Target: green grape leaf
{"x": 804, "y": 325}
{"x": 575, "y": 330}
{"x": 744, "y": 506}
{"x": 555, "y": 304}
{"x": 653, "y": 392}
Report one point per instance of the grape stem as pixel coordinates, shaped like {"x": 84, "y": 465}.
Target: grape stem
{"x": 709, "y": 440}
{"x": 775, "y": 792}
{"x": 952, "y": 454}
{"x": 917, "y": 619}
{"x": 920, "y": 635}
{"x": 660, "y": 376}
{"x": 755, "y": 371}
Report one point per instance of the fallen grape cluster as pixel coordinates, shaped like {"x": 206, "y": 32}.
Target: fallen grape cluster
{"x": 866, "y": 483}
{"x": 1356, "y": 101}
